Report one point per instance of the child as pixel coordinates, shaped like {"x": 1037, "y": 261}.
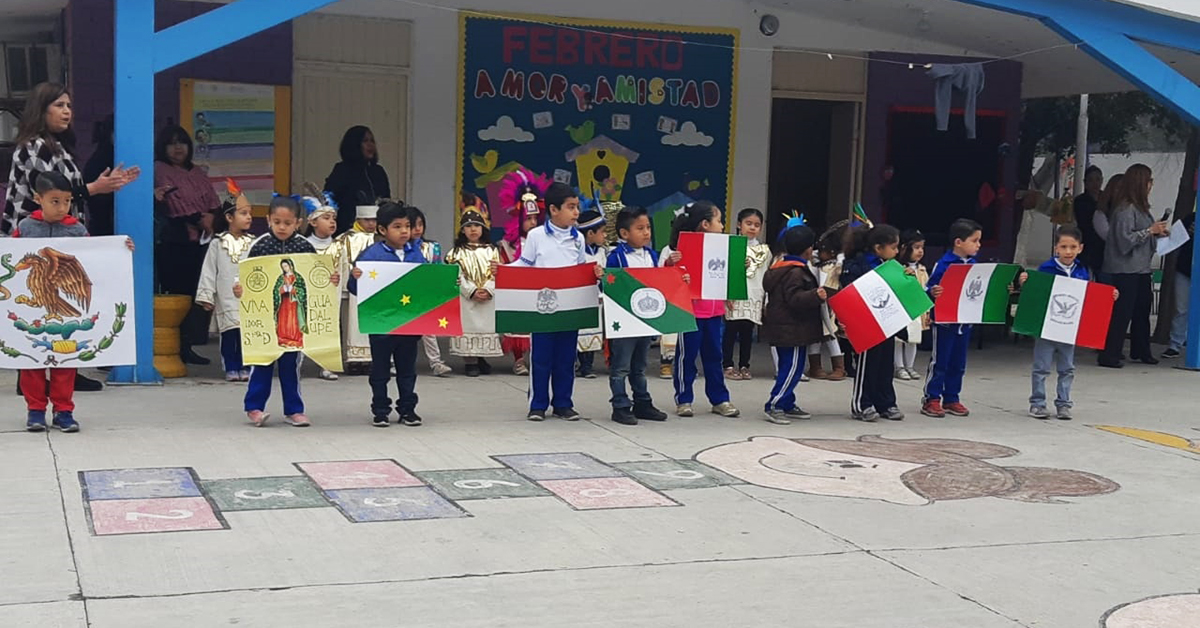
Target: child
{"x": 521, "y": 194}
{"x": 1183, "y": 282}
{"x": 1068, "y": 244}
{"x": 432, "y": 252}
{"x": 555, "y": 245}
{"x": 322, "y": 223}
{"x": 629, "y": 354}
{"x": 742, "y": 316}
{"x": 220, "y": 273}
{"x": 874, "y": 392}
{"x": 828, "y": 270}
{"x": 475, "y": 255}
{"x": 704, "y": 217}
{"x": 282, "y": 238}
{"x": 394, "y": 224}
{"x": 912, "y": 249}
{"x": 53, "y": 194}
{"x": 591, "y": 224}
{"x": 791, "y": 321}
{"x": 356, "y": 347}
{"x": 948, "y": 364}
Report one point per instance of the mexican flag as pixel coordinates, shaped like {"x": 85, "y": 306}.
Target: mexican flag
{"x": 1062, "y": 309}
{"x": 879, "y": 304}
{"x": 646, "y": 302}
{"x": 975, "y": 294}
{"x": 546, "y": 299}
{"x": 408, "y": 299}
{"x": 716, "y": 263}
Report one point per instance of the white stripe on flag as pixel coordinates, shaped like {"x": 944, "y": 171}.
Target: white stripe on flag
{"x": 715, "y": 273}
{"x": 510, "y": 300}
{"x": 1064, "y": 310}
{"x": 970, "y": 303}
{"x": 386, "y": 273}
{"x": 629, "y": 326}
{"x": 885, "y": 306}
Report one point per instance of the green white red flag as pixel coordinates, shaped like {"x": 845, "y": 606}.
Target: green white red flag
{"x": 975, "y": 294}
{"x": 1066, "y": 310}
{"x": 642, "y": 302}
{"x": 879, "y": 304}
{"x": 530, "y": 299}
{"x": 406, "y": 299}
{"x": 716, "y": 263}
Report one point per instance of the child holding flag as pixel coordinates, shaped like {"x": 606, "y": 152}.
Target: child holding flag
{"x": 791, "y": 321}
{"x": 912, "y": 249}
{"x": 591, "y": 224}
{"x": 948, "y": 364}
{"x": 874, "y": 391}
{"x": 742, "y": 316}
{"x": 432, "y": 252}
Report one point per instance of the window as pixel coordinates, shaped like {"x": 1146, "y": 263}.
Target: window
{"x": 27, "y": 66}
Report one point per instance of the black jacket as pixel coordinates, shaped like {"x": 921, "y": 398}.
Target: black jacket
{"x": 1093, "y": 245}
{"x": 792, "y": 315}
{"x": 354, "y": 184}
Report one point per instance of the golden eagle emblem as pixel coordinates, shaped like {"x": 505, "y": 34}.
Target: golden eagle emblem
{"x": 57, "y": 283}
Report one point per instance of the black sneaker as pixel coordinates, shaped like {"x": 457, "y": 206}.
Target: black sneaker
{"x": 537, "y": 415}
{"x": 798, "y": 413}
{"x": 84, "y": 384}
{"x": 647, "y": 412}
{"x": 567, "y": 414}
{"x": 624, "y": 416}
{"x": 191, "y": 357}
{"x": 471, "y": 370}
{"x": 484, "y": 367}
{"x": 380, "y": 421}
{"x": 411, "y": 420}
{"x": 1170, "y": 354}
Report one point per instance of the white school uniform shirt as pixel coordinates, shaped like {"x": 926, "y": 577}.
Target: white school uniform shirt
{"x": 549, "y": 246}
{"x": 639, "y": 258}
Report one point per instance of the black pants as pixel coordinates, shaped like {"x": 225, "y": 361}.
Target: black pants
{"x": 179, "y": 265}
{"x": 387, "y": 351}
{"x": 873, "y": 384}
{"x": 1132, "y": 312}
{"x": 741, "y": 332}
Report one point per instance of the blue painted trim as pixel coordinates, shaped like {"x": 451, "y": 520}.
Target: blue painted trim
{"x": 223, "y": 26}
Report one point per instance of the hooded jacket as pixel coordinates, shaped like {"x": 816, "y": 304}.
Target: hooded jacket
{"x": 792, "y": 315}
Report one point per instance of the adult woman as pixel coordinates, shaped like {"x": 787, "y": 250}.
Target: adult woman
{"x": 45, "y": 142}
{"x": 1131, "y": 234}
{"x": 1086, "y": 206}
{"x": 357, "y": 179}
{"x": 187, "y": 202}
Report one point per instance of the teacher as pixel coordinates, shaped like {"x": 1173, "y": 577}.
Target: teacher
{"x": 357, "y": 179}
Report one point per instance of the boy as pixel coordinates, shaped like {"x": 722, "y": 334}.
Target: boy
{"x": 53, "y": 193}
{"x": 1183, "y": 282}
{"x": 432, "y": 252}
{"x": 591, "y": 224}
{"x": 393, "y": 223}
{"x": 949, "y": 362}
{"x": 554, "y": 245}
{"x": 1068, "y": 244}
{"x": 791, "y": 321}
{"x": 356, "y": 348}
{"x": 629, "y": 354}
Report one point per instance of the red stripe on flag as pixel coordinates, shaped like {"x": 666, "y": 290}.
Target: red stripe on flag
{"x": 691, "y": 250}
{"x": 429, "y": 325}
{"x": 673, "y": 289}
{"x": 530, "y": 278}
{"x": 862, "y": 330}
{"x": 1097, "y": 314}
{"x": 945, "y": 307}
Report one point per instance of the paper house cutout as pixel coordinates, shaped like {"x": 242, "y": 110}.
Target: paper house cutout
{"x": 601, "y": 165}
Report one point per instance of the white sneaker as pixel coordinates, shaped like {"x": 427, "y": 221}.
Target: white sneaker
{"x": 329, "y": 376}
{"x": 726, "y": 410}
{"x": 913, "y": 374}
{"x": 902, "y": 374}
{"x": 684, "y": 409}
{"x": 441, "y": 370}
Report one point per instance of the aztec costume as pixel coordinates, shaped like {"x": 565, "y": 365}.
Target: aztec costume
{"x": 592, "y": 339}
{"x": 356, "y": 346}
{"x": 316, "y": 205}
{"x": 521, "y": 196}
{"x": 479, "y": 339}
{"x": 218, "y": 275}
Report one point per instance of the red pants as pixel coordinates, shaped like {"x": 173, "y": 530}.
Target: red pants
{"x": 62, "y": 389}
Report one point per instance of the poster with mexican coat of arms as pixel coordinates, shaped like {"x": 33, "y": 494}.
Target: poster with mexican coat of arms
{"x": 290, "y": 303}
{"x": 66, "y": 302}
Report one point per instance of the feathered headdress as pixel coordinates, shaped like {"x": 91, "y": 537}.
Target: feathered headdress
{"x": 521, "y": 196}
{"x": 860, "y": 215}
{"x": 317, "y": 203}
{"x": 472, "y": 210}
{"x": 236, "y": 199}
{"x": 794, "y": 219}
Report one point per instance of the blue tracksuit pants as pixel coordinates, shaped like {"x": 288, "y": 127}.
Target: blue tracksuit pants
{"x": 944, "y": 379}
{"x": 789, "y": 366}
{"x": 705, "y": 341}
{"x": 552, "y": 368}
{"x": 259, "y": 390}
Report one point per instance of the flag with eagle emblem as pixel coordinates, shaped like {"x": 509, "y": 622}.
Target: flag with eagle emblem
{"x": 879, "y": 304}
{"x": 1066, "y": 310}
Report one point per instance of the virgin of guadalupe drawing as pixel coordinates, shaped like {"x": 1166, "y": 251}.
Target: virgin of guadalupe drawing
{"x": 291, "y": 307}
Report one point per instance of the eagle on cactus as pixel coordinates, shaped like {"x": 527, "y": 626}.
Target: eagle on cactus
{"x": 57, "y": 282}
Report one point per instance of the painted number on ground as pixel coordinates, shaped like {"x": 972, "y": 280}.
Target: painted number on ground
{"x": 175, "y": 514}
{"x": 482, "y": 484}
{"x": 248, "y": 494}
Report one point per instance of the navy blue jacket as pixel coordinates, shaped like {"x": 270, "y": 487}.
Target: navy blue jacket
{"x": 1078, "y": 271}
{"x": 858, "y": 266}
{"x": 617, "y": 258}
{"x": 935, "y": 278}
{"x": 383, "y": 252}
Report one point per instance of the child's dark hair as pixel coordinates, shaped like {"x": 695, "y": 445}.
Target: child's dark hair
{"x": 908, "y": 238}
{"x": 689, "y": 220}
{"x": 284, "y": 202}
{"x": 629, "y": 215}
{"x": 853, "y": 239}
{"x": 415, "y": 214}
{"x": 748, "y": 212}
{"x": 1068, "y": 231}
{"x": 50, "y": 181}
{"x": 221, "y": 219}
{"x": 963, "y": 229}
{"x": 865, "y": 241}
{"x": 558, "y": 193}
{"x": 798, "y": 240}
{"x": 388, "y": 212}
{"x": 485, "y": 237}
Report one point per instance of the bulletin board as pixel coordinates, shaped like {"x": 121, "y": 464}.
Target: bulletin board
{"x": 638, "y": 113}
{"x": 242, "y": 131}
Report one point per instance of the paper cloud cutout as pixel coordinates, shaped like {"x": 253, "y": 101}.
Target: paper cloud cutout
{"x": 687, "y": 135}
{"x": 505, "y": 130}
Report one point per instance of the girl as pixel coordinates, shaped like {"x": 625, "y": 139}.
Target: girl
{"x": 592, "y": 224}
{"x": 283, "y": 219}
{"x": 912, "y": 249}
{"x": 704, "y": 217}
{"x": 322, "y": 224}
{"x": 874, "y": 392}
{"x": 432, "y": 252}
{"x": 521, "y": 195}
{"x": 828, "y": 270}
{"x": 741, "y": 317}
{"x": 220, "y": 273}
{"x": 474, "y": 254}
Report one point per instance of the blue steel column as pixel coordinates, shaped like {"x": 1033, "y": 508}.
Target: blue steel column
{"x": 1191, "y": 355}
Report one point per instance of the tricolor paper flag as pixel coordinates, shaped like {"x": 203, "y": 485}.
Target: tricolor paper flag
{"x": 408, "y": 299}
{"x": 646, "y": 302}
{"x": 1062, "y": 309}
{"x": 975, "y": 294}
{"x": 546, "y": 299}
{"x": 879, "y": 304}
{"x": 716, "y": 263}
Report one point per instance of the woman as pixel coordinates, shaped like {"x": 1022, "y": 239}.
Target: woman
{"x": 1131, "y": 234}
{"x": 291, "y": 307}
{"x": 188, "y": 204}
{"x": 1086, "y": 207}
{"x": 45, "y": 142}
{"x": 101, "y": 209}
{"x": 357, "y": 179}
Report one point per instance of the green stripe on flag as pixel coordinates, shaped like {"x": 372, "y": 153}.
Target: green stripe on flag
{"x": 995, "y": 303}
{"x": 518, "y": 322}
{"x": 621, "y": 291}
{"x": 908, "y": 290}
{"x": 1035, "y": 300}
{"x": 407, "y": 298}
{"x": 736, "y": 287}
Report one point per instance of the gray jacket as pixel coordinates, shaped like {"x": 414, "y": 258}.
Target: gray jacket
{"x": 33, "y": 226}
{"x": 1130, "y": 245}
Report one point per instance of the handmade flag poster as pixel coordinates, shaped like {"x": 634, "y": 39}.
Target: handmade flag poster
{"x": 716, "y": 263}
{"x": 409, "y": 299}
{"x": 975, "y": 294}
{"x": 879, "y": 304}
{"x": 68, "y": 301}
{"x": 646, "y": 302}
{"x": 532, "y": 299}
{"x": 1066, "y": 310}
{"x": 290, "y": 303}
